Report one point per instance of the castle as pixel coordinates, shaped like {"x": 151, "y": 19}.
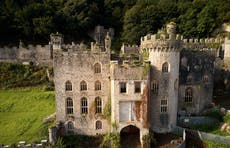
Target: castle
{"x": 146, "y": 86}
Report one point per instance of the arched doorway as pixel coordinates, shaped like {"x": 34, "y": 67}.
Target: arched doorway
{"x": 130, "y": 137}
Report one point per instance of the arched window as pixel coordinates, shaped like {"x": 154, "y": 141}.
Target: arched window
{"x": 164, "y": 105}
{"x": 70, "y": 128}
{"x": 98, "y": 105}
{"x": 68, "y": 86}
{"x": 97, "y": 68}
{"x": 155, "y": 86}
{"x": 165, "y": 67}
{"x": 188, "y": 95}
{"x": 84, "y": 106}
{"x": 69, "y": 106}
{"x": 97, "y": 85}
{"x": 206, "y": 79}
{"x": 83, "y": 85}
{"x": 98, "y": 125}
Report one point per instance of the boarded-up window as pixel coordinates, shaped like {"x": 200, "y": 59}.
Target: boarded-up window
{"x": 97, "y": 68}
{"x": 97, "y": 85}
{"x": 165, "y": 67}
{"x": 98, "y": 125}
{"x": 126, "y": 111}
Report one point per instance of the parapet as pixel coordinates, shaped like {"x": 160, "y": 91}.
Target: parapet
{"x": 129, "y": 49}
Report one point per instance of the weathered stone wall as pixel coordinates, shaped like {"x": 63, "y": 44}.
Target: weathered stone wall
{"x": 130, "y": 108}
{"x": 39, "y": 55}
{"x": 168, "y": 87}
{"x": 194, "y": 67}
{"x": 76, "y": 67}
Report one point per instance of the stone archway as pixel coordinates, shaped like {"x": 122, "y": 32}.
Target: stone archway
{"x": 130, "y": 137}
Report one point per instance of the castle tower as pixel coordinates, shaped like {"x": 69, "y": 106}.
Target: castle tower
{"x": 163, "y": 52}
{"x": 56, "y": 41}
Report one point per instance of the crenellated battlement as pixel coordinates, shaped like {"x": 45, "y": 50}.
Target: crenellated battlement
{"x": 126, "y": 48}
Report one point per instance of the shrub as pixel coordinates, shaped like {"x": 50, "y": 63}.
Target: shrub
{"x": 111, "y": 140}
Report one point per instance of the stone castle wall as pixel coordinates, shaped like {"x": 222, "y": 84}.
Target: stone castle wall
{"x": 38, "y": 54}
{"x": 76, "y": 67}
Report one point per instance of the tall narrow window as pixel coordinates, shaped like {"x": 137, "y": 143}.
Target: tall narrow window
{"x": 137, "y": 87}
{"x": 155, "y": 86}
{"x": 164, "y": 105}
{"x": 83, "y": 85}
{"x": 98, "y": 105}
{"x": 98, "y": 125}
{"x": 70, "y": 128}
{"x": 97, "y": 85}
{"x": 189, "y": 78}
{"x": 206, "y": 79}
{"x": 84, "y": 106}
{"x": 165, "y": 67}
{"x": 97, "y": 68}
{"x": 69, "y": 106}
{"x": 122, "y": 87}
{"x": 68, "y": 86}
{"x": 188, "y": 95}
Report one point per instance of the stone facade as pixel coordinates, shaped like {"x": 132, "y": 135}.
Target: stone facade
{"x": 146, "y": 86}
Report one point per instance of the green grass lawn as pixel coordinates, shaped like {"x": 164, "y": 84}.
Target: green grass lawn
{"x": 21, "y": 114}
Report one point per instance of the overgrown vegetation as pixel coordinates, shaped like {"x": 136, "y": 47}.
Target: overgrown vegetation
{"x": 107, "y": 110}
{"x": 111, "y": 140}
{"x": 22, "y": 113}
{"x": 82, "y": 141}
{"x": 148, "y": 139}
{"x": 211, "y": 144}
{"x": 16, "y": 75}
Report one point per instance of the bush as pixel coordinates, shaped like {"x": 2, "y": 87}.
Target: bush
{"x": 111, "y": 140}
{"x": 227, "y": 118}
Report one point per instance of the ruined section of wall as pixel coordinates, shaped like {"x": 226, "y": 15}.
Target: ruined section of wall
{"x": 39, "y": 55}
{"x": 76, "y": 65}
{"x": 196, "y": 74}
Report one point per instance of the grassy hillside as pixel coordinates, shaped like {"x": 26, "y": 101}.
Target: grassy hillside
{"x": 21, "y": 114}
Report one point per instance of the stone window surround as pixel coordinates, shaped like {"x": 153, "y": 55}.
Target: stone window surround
{"x": 188, "y": 98}
{"x": 84, "y": 105}
{"x": 97, "y": 68}
{"x": 98, "y": 105}
{"x": 123, "y": 87}
{"x": 165, "y": 67}
{"x": 68, "y": 86}
{"x": 137, "y": 87}
{"x": 164, "y": 105}
{"x": 98, "y": 125}
{"x": 97, "y": 85}
{"x": 69, "y": 106}
{"x": 155, "y": 86}
{"x": 83, "y": 86}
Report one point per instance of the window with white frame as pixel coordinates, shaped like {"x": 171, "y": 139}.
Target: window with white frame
{"x": 98, "y": 105}
{"x": 164, "y": 105}
{"x": 83, "y": 86}
{"x": 84, "y": 106}
{"x": 69, "y": 106}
